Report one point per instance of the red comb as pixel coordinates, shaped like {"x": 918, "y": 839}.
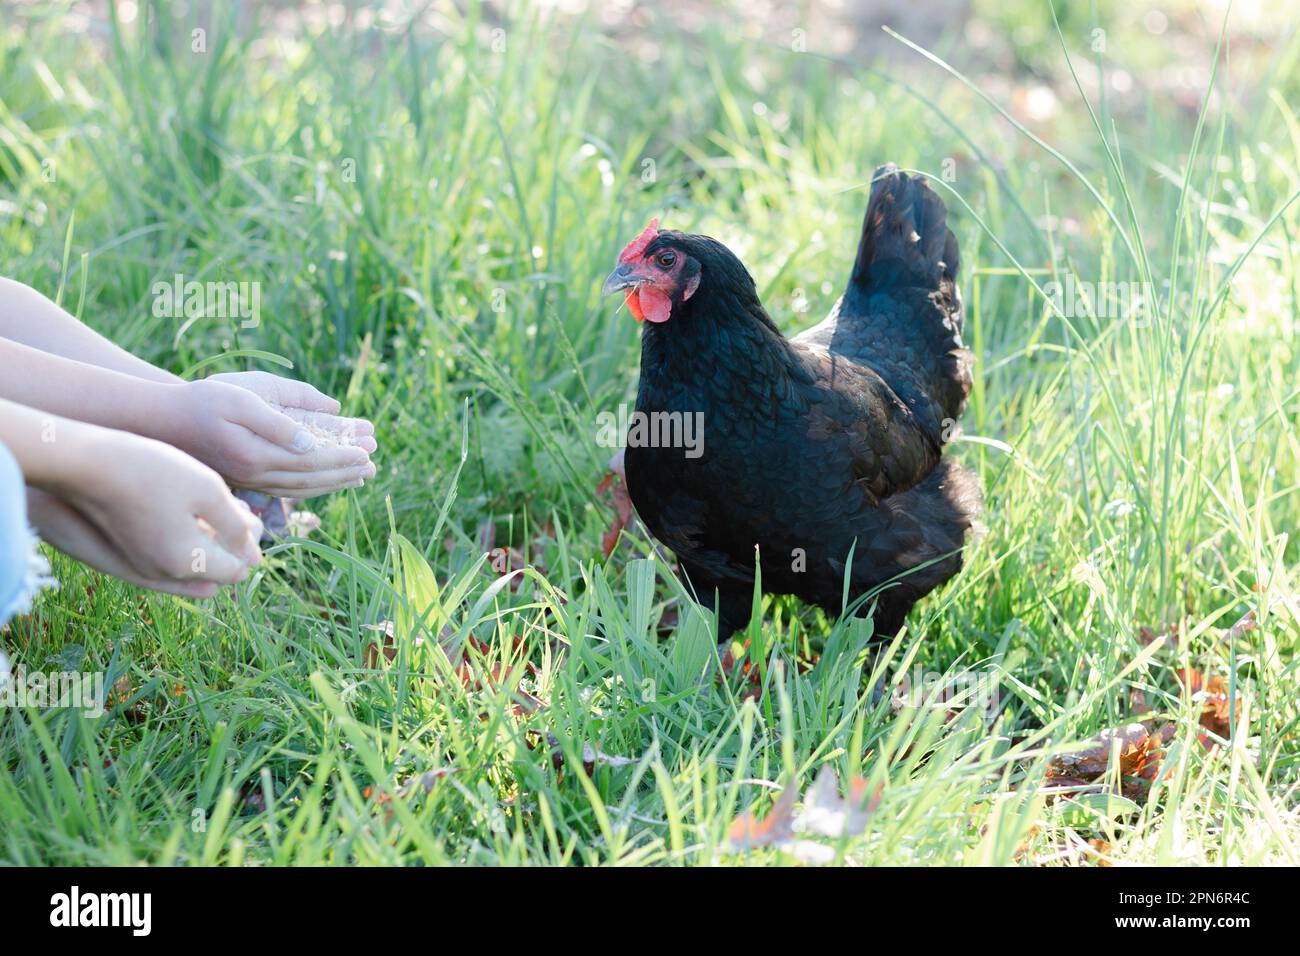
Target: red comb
{"x": 637, "y": 245}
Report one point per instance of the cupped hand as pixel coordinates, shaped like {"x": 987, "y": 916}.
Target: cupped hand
{"x": 151, "y": 515}
{"x": 64, "y": 527}
{"x": 271, "y": 435}
{"x": 304, "y": 402}
{"x": 283, "y": 392}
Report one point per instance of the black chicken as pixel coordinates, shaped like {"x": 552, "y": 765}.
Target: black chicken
{"x": 817, "y": 450}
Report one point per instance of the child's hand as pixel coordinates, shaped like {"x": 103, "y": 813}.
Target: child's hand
{"x": 283, "y": 392}
{"x": 304, "y": 403}
{"x": 296, "y": 450}
{"x": 66, "y": 528}
{"x": 156, "y": 517}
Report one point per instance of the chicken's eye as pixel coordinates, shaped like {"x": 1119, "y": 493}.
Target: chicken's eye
{"x": 666, "y": 259}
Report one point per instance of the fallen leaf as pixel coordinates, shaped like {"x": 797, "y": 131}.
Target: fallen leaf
{"x": 474, "y": 676}
{"x": 1101, "y": 849}
{"x": 471, "y": 674}
{"x": 508, "y": 562}
{"x": 615, "y": 483}
{"x": 592, "y": 758}
{"x": 1137, "y": 750}
{"x": 389, "y": 644}
{"x": 1216, "y": 703}
{"x": 1023, "y": 847}
{"x": 825, "y": 812}
{"x": 747, "y": 832}
{"x": 747, "y": 670}
{"x": 133, "y": 711}
{"x": 426, "y": 782}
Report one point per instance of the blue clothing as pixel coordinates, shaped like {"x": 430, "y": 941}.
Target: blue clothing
{"x": 23, "y": 571}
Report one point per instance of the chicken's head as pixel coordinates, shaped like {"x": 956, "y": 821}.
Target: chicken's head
{"x": 654, "y": 273}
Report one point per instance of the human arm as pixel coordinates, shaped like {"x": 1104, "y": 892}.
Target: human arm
{"x": 158, "y": 517}
{"x": 258, "y": 430}
{"x": 28, "y": 317}
{"x": 225, "y": 425}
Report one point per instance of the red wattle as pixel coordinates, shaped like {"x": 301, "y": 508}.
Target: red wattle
{"x": 654, "y": 304}
{"x": 633, "y": 305}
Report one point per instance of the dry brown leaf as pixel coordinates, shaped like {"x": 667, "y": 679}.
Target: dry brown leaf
{"x": 668, "y": 620}
{"x": 133, "y": 712}
{"x": 747, "y": 832}
{"x": 1101, "y": 850}
{"x": 373, "y": 649}
{"x": 1216, "y": 703}
{"x": 615, "y": 483}
{"x": 1137, "y": 749}
{"x": 426, "y": 782}
{"x": 827, "y": 813}
{"x": 472, "y": 675}
{"x": 509, "y": 560}
{"x": 752, "y": 679}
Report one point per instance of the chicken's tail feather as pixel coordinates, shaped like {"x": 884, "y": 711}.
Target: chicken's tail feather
{"x": 905, "y": 236}
{"x": 906, "y": 267}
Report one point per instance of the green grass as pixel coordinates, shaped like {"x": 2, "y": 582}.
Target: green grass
{"x": 1138, "y": 472}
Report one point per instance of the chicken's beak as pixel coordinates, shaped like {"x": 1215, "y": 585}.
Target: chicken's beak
{"x": 621, "y": 278}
